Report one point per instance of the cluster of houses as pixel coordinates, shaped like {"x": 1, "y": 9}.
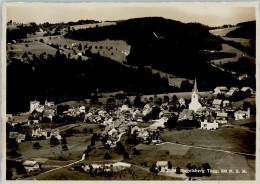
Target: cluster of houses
{"x": 123, "y": 120}
{"x": 15, "y": 135}
{"x": 46, "y": 133}
{"x": 111, "y": 167}
{"x": 218, "y": 112}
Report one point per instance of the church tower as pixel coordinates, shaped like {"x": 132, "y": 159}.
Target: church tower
{"x": 195, "y": 104}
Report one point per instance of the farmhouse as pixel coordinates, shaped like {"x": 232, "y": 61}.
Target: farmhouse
{"x": 242, "y": 114}
{"x": 9, "y": 117}
{"x": 220, "y": 90}
{"x": 31, "y": 165}
{"x": 244, "y": 89}
{"x": 182, "y": 102}
{"x": 222, "y": 117}
{"x": 186, "y": 114}
{"x": 162, "y": 166}
{"x": 209, "y": 125}
{"x": 217, "y": 103}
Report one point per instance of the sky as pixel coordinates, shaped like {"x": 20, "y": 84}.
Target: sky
{"x": 215, "y": 14}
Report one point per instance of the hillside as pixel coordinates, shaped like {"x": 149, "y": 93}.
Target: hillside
{"x": 166, "y": 45}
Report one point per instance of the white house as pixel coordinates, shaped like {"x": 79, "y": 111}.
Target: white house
{"x": 162, "y": 166}
{"x": 217, "y": 103}
{"x": 244, "y": 89}
{"x": 242, "y": 114}
{"x": 31, "y": 165}
{"x": 220, "y": 90}
{"x": 209, "y": 125}
{"x": 182, "y": 101}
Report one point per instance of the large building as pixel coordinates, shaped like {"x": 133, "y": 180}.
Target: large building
{"x": 195, "y": 103}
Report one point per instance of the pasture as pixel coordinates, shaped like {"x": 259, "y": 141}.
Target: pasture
{"x": 85, "y": 26}
{"x": 229, "y": 49}
{"x": 222, "y": 32}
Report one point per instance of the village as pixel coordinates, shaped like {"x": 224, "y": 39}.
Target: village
{"x": 136, "y": 121}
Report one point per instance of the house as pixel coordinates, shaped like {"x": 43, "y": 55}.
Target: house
{"x": 220, "y": 90}
{"x": 49, "y": 103}
{"x": 143, "y": 135}
{"x": 20, "y": 138}
{"x": 202, "y": 111}
{"x": 209, "y": 124}
{"x": 232, "y": 90}
{"x": 159, "y": 123}
{"x": 166, "y": 114}
{"x": 162, "y": 166}
{"x": 118, "y": 166}
{"x": 34, "y": 105}
{"x": 222, "y": 117}
{"x": 244, "y": 89}
{"x": 47, "y": 133}
{"x": 135, "y": 129}
{"x": 9, "y": 118}
{"x": 33, "y": 121}
{"x": 124, "y": 108}
{"x": 242, "y": 114}
{"x": 82, "y": 109}
{"x": 217, "y": 103}
{"x": 182, "y": 102}
{"x": 112, "y": 132}
{"x": 31, "y": 165}
{"x": 195, "y": 100}
{"x": 186, "y": 114}
{"x": 226, "y": 103}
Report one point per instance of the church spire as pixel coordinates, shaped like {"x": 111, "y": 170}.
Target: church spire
{"x": 195, "y": 89}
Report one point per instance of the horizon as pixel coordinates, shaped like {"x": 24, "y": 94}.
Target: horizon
{"x": 200, "y": 13}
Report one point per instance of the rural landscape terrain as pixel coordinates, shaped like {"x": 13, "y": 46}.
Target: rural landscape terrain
{"x": 139, "y": 99}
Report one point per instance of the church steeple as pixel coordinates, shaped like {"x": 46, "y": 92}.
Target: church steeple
{"x": 195, "y": 89}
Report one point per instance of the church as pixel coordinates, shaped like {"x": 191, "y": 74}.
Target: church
{"x": 195, "y": 103}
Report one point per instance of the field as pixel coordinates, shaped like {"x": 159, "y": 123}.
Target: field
{"x": 229, "y": 139}
{"x": 230, "y": 49}
{"x": 84, "y": 26}
{"x": 245, "y": 42}
{"x": 114, "y": 49}
{"x": 222, "y": 32}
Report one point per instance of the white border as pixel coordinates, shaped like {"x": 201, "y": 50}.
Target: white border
{"x": 124, "y": 4}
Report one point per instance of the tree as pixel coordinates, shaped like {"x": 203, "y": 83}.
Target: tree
{"x": 120, "y": 148}
{"x": 136, "y": 152}
{"x": 155, "y": 112}
{"x": 206, "y": 168}
{"x": 137, "y": 101}
{"x": 85, "y": 130}
{"x": 178, "y": 170}
{"x": 169, "y": 165}
{"x": 9, "y": 173}
{"x": 64, "y": 141}
{"x": 64, "y": 147}
{"x": 54, "y": 141}
{"x": 174, "y": 99}
{"x": 107, "y": 156}
{"x": 126, "y": 155}
{"x": 91, "y": 130}
{"x": 186, "y": 85}
{"x": 166, "y": 98}
{"x": 13, "y": 154}
{"x": 246, "y": 105}
{"x": 12, "y": 143}
{"x": 36, "y": 145}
